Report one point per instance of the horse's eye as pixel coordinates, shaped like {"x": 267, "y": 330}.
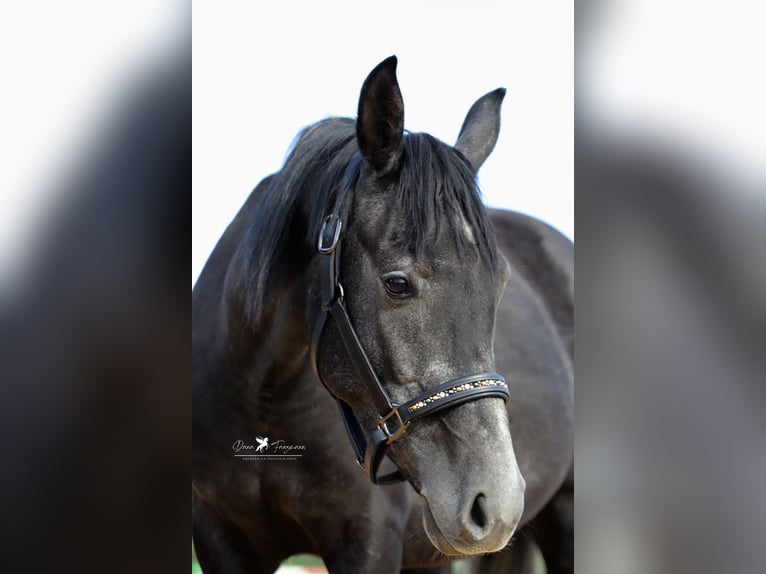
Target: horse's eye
{"x": 397, "y": 286}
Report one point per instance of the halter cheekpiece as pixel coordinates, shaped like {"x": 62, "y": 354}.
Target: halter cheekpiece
{"x": 393, "y": 418}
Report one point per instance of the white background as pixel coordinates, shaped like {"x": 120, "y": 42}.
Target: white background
{"x": 262, "y": 71}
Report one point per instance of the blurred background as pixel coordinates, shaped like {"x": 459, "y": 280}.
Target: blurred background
{"x": 670, "y": 160}
{"x": 94, "y": 297}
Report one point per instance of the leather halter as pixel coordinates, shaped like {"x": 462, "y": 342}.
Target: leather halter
{"x": 393, "y": 419}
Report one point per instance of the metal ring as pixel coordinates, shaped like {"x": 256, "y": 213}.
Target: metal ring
{"x": 327, "y": 250}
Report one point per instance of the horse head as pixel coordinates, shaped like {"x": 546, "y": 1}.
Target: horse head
{"x": 421, "y": 279}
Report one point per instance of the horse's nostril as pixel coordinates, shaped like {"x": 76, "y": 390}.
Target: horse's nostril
{"x": 478, "y": 515}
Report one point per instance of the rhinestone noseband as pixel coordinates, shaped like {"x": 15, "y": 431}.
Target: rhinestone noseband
{"x": 435, "y": 398}
{"x": 393, "y": 418}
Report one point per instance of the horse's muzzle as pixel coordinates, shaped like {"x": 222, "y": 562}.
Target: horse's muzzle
{"x": 484, "y": 524}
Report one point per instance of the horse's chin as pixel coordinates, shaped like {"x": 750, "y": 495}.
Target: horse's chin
{"x": 435, "y": 535}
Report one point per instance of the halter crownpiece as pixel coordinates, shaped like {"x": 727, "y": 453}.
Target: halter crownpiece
{"x": 393, "y": 419}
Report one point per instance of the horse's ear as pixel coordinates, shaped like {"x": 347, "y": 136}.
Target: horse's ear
{"x": 481, "y": 127}
{"x": 380, "y": 122}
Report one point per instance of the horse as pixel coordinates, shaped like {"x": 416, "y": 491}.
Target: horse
{"x": 358, "y": 310}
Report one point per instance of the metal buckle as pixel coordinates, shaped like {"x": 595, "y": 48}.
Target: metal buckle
{"x": 400, "y": 428}
{"x": 335, "y": 220}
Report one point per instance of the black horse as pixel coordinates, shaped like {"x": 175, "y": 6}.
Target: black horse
{"x": 397, "y": 331}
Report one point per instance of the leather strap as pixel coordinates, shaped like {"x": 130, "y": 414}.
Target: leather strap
{"x": 454, "y": 393}
{"x": 359, "y": 359}
{"x": 332, "y": 303}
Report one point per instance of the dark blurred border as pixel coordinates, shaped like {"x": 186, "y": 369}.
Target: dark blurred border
{"x": 94, "y": 321}
{"x": 671, "y": 313}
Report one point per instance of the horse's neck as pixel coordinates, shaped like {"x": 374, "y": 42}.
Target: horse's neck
{"x": 241, "y": 367}
{"x": 275, "y": 351}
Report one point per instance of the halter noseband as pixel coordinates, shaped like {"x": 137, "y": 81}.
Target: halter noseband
{"x": 393, "y": 418}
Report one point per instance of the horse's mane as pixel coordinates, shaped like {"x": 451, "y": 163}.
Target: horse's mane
{"x": 323, "y": 164}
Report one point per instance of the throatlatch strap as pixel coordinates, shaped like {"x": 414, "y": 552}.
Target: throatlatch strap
{"x": 369, "y": 453}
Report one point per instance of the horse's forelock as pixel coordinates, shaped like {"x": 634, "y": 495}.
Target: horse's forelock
{"x": 438, "y": 192}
